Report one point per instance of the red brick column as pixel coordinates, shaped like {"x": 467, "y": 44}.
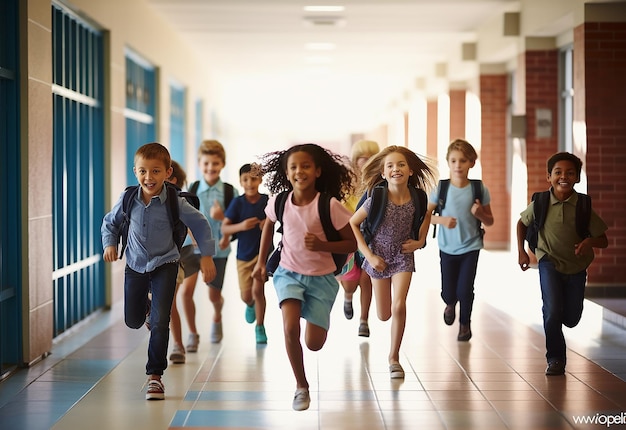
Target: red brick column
{"x": 493, "y": 157}
{"x": 600, "y": 104}
{"x": 457, "y": 114}
{"x": 541, "y": 69}
{"x": 431, "y": 128}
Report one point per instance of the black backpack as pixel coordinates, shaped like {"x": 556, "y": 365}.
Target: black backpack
{"x": 329, "y": 230}
{"x": 229, "y": 194}
{"x": 540, "y": 211}
{"x": 444, "y": 184}
{"x": 179, "y": 229}
{"x": 379, "y": 204}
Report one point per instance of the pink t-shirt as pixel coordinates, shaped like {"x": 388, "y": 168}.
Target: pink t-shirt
{"x": 297, "y": 221}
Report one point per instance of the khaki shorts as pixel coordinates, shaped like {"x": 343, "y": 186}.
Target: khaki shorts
{"x": 244, "y": 271}
{"x": 181, "y": 275}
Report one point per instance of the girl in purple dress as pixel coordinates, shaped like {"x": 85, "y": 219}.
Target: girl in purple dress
{"x": 389, "y": 255}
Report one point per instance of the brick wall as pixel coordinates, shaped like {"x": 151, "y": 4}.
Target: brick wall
{"x": 493, "y": 156}
{"x": 600, "y": 102}
{"x": 457, "y": 114}
{"x": 431, "y": 128}
{"x": 541, "y": 93}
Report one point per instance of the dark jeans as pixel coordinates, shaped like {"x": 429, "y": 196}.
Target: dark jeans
{"x": 563, "y": 297}
{"x": 458, "y": 273}
{"x": 161, "y": 282}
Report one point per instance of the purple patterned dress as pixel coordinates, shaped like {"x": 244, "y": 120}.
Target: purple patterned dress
{"x": 387, "y": 241}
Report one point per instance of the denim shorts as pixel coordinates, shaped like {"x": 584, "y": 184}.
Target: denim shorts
{"x": 317, "y": 294}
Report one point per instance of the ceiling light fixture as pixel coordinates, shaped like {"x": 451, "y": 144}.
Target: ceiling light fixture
{"x": 324, "y": 8}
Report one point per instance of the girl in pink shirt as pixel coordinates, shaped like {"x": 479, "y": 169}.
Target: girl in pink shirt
{"x": 304, "y": 281}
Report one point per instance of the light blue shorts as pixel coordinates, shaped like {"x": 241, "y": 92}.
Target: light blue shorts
{"x": 317, "y": 294}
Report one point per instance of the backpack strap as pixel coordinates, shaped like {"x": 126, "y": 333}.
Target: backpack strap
{"x": 332, "y": 235}
{"x": 442, "y": 194}
{"x": 127, "y": 203}
{"x": 583, "y": 215}
{"x": 477, "y": 189}
{"x": 420, "y": 201}
{"x": 193, "y": 188}
{"x": 229, "y": 194}
{"x": 279, "y": 208}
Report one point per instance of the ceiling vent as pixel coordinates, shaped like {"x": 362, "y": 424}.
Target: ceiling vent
{"x": 324, "y": 21}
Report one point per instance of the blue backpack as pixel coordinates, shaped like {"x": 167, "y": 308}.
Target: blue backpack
{"x": 379, "y": 204}
{"x": 179, "y": 229}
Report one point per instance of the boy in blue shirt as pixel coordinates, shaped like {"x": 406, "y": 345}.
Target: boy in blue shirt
{"x": 152, "y": 256}
{"x": 245, "y": 216}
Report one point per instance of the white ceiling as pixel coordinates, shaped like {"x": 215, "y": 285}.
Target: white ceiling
{"x": 263, "y": 76}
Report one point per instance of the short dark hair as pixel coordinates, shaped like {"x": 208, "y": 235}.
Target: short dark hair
{"x": 245, "y": 169}
{"x": 565, "y": 156}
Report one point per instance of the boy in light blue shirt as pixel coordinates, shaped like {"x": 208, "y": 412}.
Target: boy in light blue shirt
{"x": 461, "y": 240}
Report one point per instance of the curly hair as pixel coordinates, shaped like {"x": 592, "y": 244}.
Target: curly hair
{"x": 424, "y": 173}
{"x": 336, "y": 179}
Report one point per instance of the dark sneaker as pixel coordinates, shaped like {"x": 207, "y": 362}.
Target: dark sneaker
{"x": 465, "y": 333}
{"x": 301, "y": 399}
{"x": 364, "y": 330}
{"x": 347, "y": 309}
{"x": 155, "y": 390}
{"x": 449, "y": 315}
{"x": 555, "y": 368}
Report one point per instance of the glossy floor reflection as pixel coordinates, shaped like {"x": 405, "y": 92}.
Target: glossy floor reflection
{"x": 94, "y": 379}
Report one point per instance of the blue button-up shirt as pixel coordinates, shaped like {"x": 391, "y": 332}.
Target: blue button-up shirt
{"x": 150, "y": 237}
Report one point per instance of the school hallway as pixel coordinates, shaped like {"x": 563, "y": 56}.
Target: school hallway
{"x": 95, "y": 378}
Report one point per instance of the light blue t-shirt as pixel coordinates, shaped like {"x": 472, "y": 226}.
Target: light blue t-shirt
{"x": 207, "y": 195}
{"x": 466, "y": 236}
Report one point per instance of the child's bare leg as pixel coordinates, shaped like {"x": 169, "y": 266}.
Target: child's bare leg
{"x": 291, "y": 309}
{"x": 382, "y": 291}
{"x": 188, "y": 287}
{"x": 401, "y": 282}
{"x": 366, "y": 295}
{"x": 175, "y": 326}
{"x": 215, "y": 296}
{"x": 315, "y": 336}
{"x": 258, "y": 293}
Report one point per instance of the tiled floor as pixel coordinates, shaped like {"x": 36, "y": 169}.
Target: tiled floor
{"x": 94, "y": 378}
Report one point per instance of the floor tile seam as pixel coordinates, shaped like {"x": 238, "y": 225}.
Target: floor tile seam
{"x": 215, "y": 358}
{"x": 365, "y": 360}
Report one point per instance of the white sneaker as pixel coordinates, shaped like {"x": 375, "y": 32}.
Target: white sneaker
{"x": 178, "y": 354}
{"x": 192, "y": 343}
{"x": 301, "y": 399}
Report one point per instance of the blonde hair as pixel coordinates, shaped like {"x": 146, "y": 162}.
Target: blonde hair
{"x": 424, "y": 174}
{"x": 464, "y": 147}
{"x": 212, "y": 147}
{"x": 363, "y": 148}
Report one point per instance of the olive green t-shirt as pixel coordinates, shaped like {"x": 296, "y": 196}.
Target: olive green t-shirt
{"x": 558, "y": 237}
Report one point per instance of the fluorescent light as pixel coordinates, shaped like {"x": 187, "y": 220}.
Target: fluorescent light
{"x": 320, "y": 46}
{"x": 324, "y": 8}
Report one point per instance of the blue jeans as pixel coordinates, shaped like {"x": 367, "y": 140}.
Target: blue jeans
{"x": 458, "y": 273}
{"x": 563, "y": 297}
{"x": 161, "y": 282}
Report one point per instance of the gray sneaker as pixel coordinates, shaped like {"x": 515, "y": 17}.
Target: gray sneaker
{"x": 192, "y": 342}
{"x": 216, "y": 332}
{"x": 178, "y": 354}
